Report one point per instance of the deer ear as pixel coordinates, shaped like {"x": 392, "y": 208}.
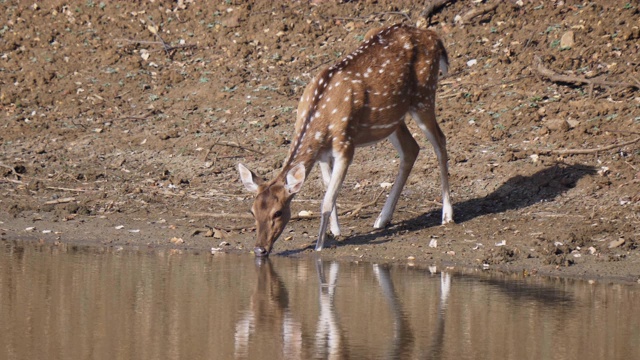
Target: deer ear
{"x": 295, "y": 178}
{"x": 249, "y": 179}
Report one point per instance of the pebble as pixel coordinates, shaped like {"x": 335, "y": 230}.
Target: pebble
{"x": 177, "y": 240}
{"x": 567, "y": 40}
{"x": 614, "y": 244}
{"x": 386, "y": 185}
{"x": 557, "y": 125}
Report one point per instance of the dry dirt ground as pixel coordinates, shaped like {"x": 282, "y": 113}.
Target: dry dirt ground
{"x": 122, "y": 124}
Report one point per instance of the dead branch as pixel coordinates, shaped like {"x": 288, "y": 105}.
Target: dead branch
{"x": 356, "y": 210}
{"x": 64, "y": 189}
{"x": 60, "y": 201}
{"x": 236, "y": 145}
{"x": 480, "y": 10}
{"x": 12, "y": 181}
{"x": 587, "y": 151}
{"x": 218, "y": 215}
{"x": 133, "y": 117}
{"x": 348, "y": 212}
{"x": 432, "y": 6}
{"x": 406, "y": 16}
{"x": 13, "y": 171}
{"x": 555, "y": 77}
{"x": 154, "y": 30}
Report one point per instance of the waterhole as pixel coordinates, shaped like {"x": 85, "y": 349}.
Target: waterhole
{"x": 90, "y": 303}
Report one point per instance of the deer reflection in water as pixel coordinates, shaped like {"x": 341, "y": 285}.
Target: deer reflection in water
{"x": 269, "y": 313}
{"x": 329, "y": 336}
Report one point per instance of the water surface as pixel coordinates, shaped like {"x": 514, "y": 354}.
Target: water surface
{"x": 88, "y": 303}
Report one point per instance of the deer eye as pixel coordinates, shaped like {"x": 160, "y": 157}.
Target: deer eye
{"x": 277, "y": 214}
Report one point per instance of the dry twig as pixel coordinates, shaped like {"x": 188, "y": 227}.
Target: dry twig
{"x": 236, "y": 145}
{"x": 218, "y": 215}
{"x": 555, "y": 77}
{"x": 587, "y": 151}
{"x": 60, "y": 201}
{"x": 480, "y": 10}
{"x": 432, "y": 6}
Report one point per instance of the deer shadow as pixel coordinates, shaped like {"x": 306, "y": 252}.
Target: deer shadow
{"x": 516, "y": 193}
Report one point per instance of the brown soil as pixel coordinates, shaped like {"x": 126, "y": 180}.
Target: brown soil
{"x": 108, "y": 138}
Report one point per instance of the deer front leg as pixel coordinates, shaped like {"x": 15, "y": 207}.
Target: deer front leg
{"x": 408, "y": 149}
{"x": 325, "y": 169}
{"x": 341, "y": 163}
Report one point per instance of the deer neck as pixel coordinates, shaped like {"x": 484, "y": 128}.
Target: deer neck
{"x": 306, "y": 154}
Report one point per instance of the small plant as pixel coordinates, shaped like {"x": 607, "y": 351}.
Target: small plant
{"x": 552, "y": 28}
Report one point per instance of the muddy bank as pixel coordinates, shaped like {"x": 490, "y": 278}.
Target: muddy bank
{"x": 136, "y": 145}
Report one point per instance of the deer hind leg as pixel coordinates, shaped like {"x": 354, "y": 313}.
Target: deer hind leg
{"x": 408, "y": 149}
{"x": 325, "y": 169}
{"x": 426, "y": 120}
{"x": 341, "y": 162}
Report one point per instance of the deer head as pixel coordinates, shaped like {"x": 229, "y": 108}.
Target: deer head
{"x": 272, "y": 205}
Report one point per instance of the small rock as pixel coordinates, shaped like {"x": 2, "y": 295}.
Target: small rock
{"x": 567, "y": 40}
{"x": 472, "y": 62}
{"x": 411, "y": 258}
{"x": 534, "y": 158}
{"x": 614, "y": 244}
{"x": 573, "y": 123}
{"x": 350, "y": 26}
{"x": 305, "y": 213}
{"x": 433, "y": 243}
{"x": 177, "y": 240}
{"x": 231, "y": 22}
{"x": 386, "y": 185}
{"x": 558, "y": 125}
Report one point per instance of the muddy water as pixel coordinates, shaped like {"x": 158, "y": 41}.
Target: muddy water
{"x": 75, "y": 303}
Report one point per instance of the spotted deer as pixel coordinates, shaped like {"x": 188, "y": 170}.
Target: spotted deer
{"x": 359, "y": 101}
